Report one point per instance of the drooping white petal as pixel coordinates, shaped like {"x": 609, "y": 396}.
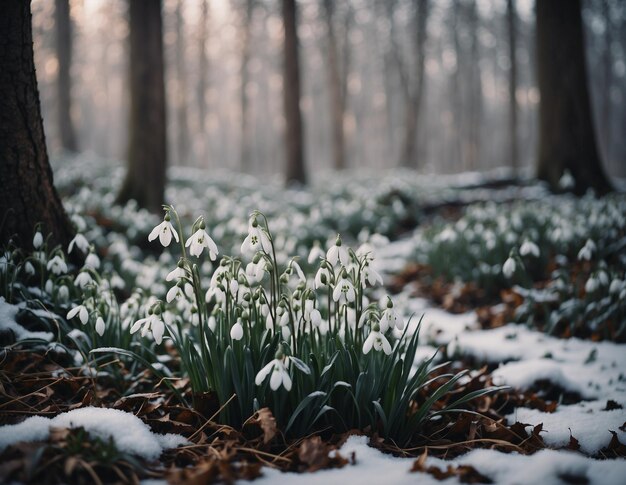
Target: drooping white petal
{"x": 100, "y": 326}
{"x": 262, "y": 374}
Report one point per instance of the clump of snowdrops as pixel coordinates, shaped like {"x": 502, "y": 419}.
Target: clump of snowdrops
{"x": 314, "y": 350}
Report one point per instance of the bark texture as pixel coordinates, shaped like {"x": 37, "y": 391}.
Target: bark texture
{"x": 414, "y": 91}
{"x": 145, "y": 178}
{"x": 63, "y": 25}
{"x": 511, "y": 17}
{"x": 27, "y": 194}
{"x": 566, "y": 135}
{"x": 294, "y": 139}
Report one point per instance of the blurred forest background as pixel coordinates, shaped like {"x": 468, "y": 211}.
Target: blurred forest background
{"x": 444, "y": 86}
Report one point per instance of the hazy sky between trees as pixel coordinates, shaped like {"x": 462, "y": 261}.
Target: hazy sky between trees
{"x": 211, "y": 46}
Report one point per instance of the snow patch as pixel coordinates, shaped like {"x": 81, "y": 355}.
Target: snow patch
{"x": 130, "y": 434}
{"x": 8, "y": 313}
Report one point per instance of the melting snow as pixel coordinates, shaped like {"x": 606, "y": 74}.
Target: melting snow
{"x": 131, "y": 435}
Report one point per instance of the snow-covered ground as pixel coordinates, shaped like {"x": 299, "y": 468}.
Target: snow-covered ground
{"x": 594, "y": 370}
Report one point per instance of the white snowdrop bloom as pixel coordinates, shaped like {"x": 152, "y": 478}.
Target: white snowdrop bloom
{"x": 315, "y": 317}
{"x": 83, "y": 279}
{"x": 92, "y": 261}
{"x": 212, "y": 323}
{"x": 164, "y": 231}
{"x": 586, "y": 252}
{"x": 256, "y": 240}
{"x": 49, "y": 286}
{"x": 57, "y": 265}
{"x": 100, "y": 327}
{"x": 447, "y": 235}
{"x": 176, "y": 273}
{"x": 37, "y": 240}
{"x": 280, "y": 375}
{"x": 285, "y": 332}
{"x": 64, "y": 293}
{"x": 567, "y": 181}
{"x": 236, "y": 332}
{"x": 365, "y": 250}
{"x": 233, "y": 286}
{"x": 371, "y": 276}
{"x": 81, "y": 311}
{"x": 338, "y": 253}
{"x": 175, "y": 293}
{"x": 316, "y": 253}
{"x": 200, "y": 240}
{"x": 616, "y": 286}
{"x": 269, "y": 322}
{"x": 294, "y": 265}
{"x": 322, "y": 277}
{"x": 390, "y": 318}
{"x": 29, "y": 269}
{"x": 591, "y": 285}
{"x": 376, "y": 340}
{"x": 508, "y": 268}
{"x": 151, "y": 323}
{"x": 80, "y": 242}
{"x": 529, "y": 247}
{"x": 255, "y": 271}
{"x": 117, "y": 282}
{"x": 344, "y": 290}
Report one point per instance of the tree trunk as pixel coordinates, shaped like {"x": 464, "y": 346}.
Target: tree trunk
{"x": 336, "y": 89}
{"x": 566, "y": 134}
{"x": 63, "y": 25}
{"x": 475, "y": 98}
{"x": 511, "y": 16}
{"x": 415, "y": 92}
{"x": 246, "y": 128}
{"x": 145, "y": 179}
{"x": 203, "y": 67}
{"x": 181, "y": 91}
{"x": 28, "y": 195}
{"x": 294, "y": 142}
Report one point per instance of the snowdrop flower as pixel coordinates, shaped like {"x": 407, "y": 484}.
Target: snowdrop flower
{"x": 616, "y": 286}
{"x": 92, "y": 261}
{"x": 529, "y": 247}
{"x": 29, "y": 269}
{"x": 81, "y": 311}
{"x": 311, "y": 314}
{"x": 83, "y": 279}
{"x": 236, "y": 332}
{"x": 371, "y": 276}
{"x": 567, "y": 181}
{"x": 64, "y": 293}
{"x": 344, "y": 289}
{"x": 376, "y": 340}
{"x": 164, "y": 232}
{"x": 176, "y": 292}
{"x": 280, "y": 373}
{"x": 586, "y": 252}
{"x": 256, "y": 240}
{"x": 255, "y": 271}
{"x": 323, "y": 276}
{"x": 100, "y": 326}
{"x": 316, "y": 253}
{"x": 80, "y": 242}
{"x": 57, "y": 265}
{"x": 178, "y": 272}
{"x": 591, "y": 285}
{"x": 151, "y": 323}
{"x": 390, "y": 318}
{"x": 49, "y": 286}
{"x": 294, "y": 265}
{"x": 508, "y": 268}
{"x": 212, "y": 323}
{"x": 200, "y": 240}
{"x": 37, "y": 240}
{"x": 337, "y": 252}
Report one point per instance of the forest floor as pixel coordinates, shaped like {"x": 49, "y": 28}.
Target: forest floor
{"x": 560, "y": 420}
